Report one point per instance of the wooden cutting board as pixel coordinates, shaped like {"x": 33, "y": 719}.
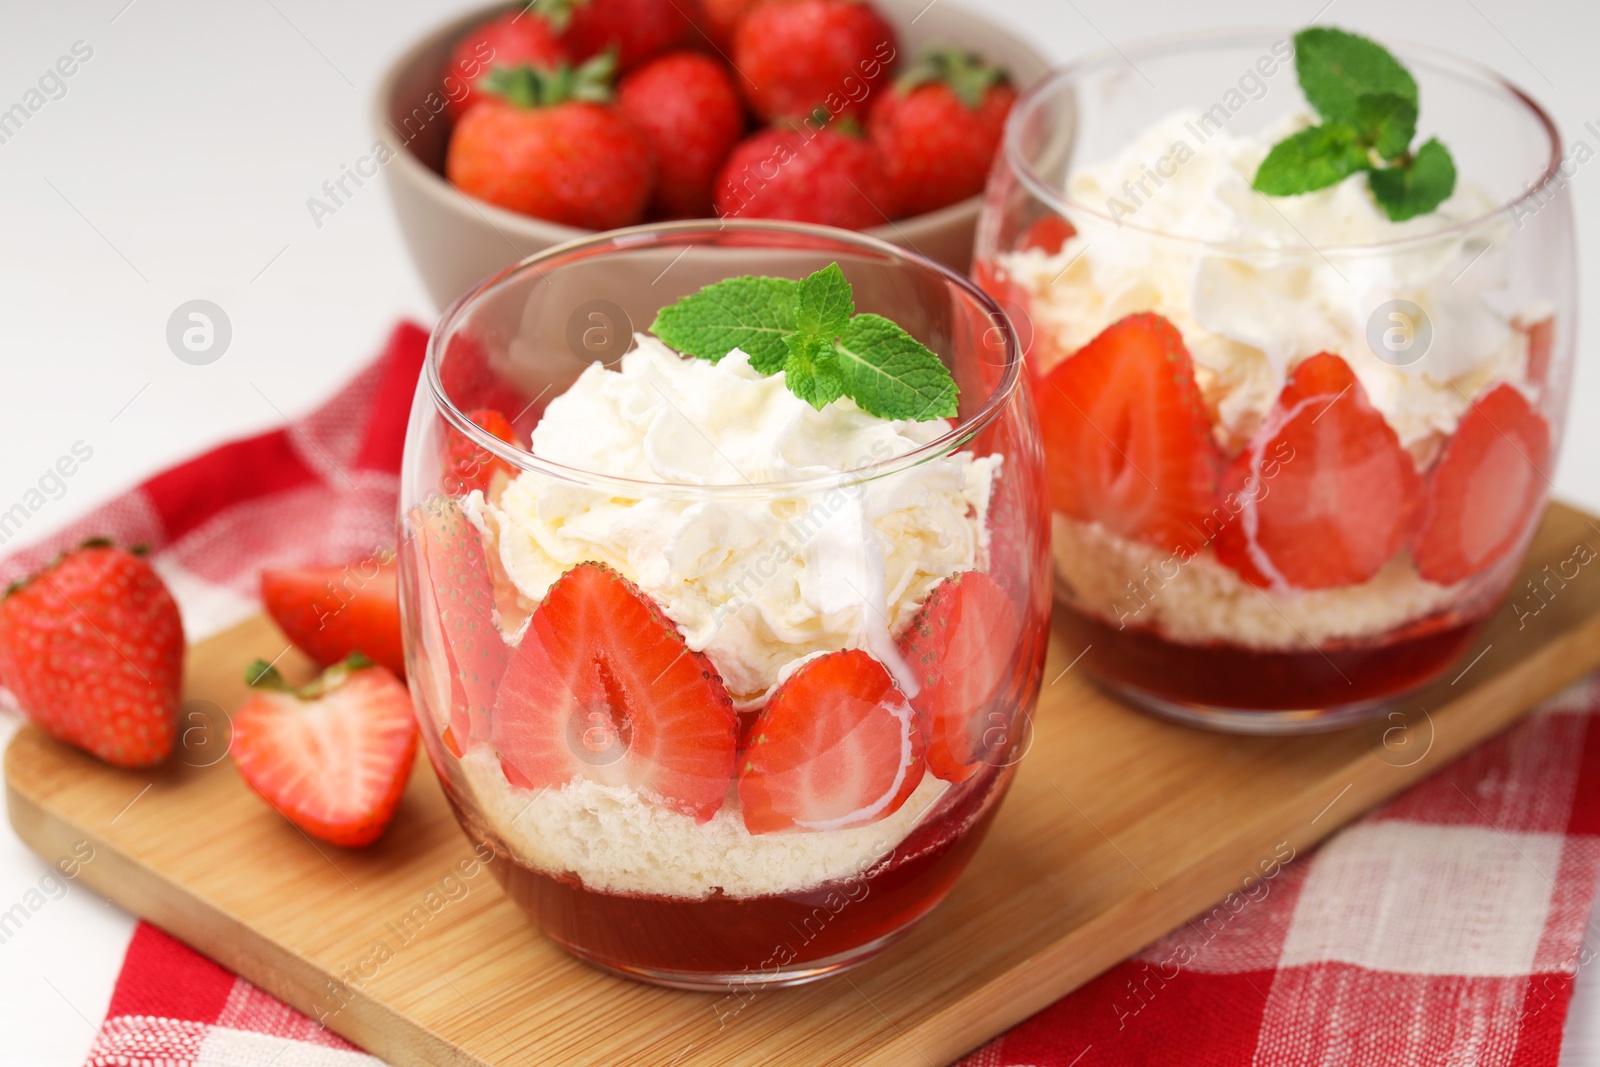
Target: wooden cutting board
{"x": 1119, "y": 827}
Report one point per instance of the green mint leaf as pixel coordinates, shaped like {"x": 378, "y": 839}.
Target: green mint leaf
{"x": 752, "y": 314}
{"x": 809, "y": 330}
{"x": 826, "y": 303}
{"x": 1388, "y": 121}
{"x": 1405, "y": 192}
{"x": 1312, "y": 159}
{"x": 891, "y": 374}
{"x": 812, "y": 370}
{"x": 1337, "y": 69}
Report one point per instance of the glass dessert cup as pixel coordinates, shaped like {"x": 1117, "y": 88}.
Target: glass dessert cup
{"x": 542, "y": 600}
{"x": 1227, "y": 553}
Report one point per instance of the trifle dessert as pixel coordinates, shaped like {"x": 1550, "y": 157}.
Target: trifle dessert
{"x": 727, "y": 645}
{"x": 1300, "y": 369}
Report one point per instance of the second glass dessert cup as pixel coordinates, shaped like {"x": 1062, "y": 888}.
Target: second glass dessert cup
{"x": 1296, "y": 450}
{"x": 599, "y": 659}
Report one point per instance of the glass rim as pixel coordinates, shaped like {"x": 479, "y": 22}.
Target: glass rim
{"x": 1061, "y": 201}
{"x": 960, "y": 432}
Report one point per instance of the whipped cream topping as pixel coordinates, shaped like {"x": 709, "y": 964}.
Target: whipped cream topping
{"x": 1256, "y": 284}
{"x": 759, "y": 581}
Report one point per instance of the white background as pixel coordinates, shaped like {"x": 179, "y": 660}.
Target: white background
{"x": 178, "y": 165}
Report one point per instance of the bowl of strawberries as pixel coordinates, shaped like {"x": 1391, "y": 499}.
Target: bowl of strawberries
{"x": 516, "y": 128}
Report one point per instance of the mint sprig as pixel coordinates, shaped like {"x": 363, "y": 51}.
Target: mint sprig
{"x": 809, "y": 330}
{"x": 1368, "y": 103}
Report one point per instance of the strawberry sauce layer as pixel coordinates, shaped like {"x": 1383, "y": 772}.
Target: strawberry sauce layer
{"x": 1232, "y": 677}
{"x": 759, "y": 936}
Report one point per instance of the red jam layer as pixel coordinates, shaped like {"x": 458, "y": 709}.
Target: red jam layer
{"x": 1226, "y": 676}
{"x": 758, "y": 937}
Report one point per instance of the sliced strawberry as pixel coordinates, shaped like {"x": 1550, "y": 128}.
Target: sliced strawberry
{"x": 836, "y": 746}
{"x": 1049, "y": 235}
{"x": 1127, "y": 438}
{"x": 334, "y": 756}
{"x": 1485, "y": 489}
{"x": 457, "y": 573}
{"x": 1541, "y": 342}
{"x": 467, "y": 466}
{"x": 962, "y": 644}
{"x": 603, "y": 688}
{"x": 468, "y": 379}
{"x": 330, "y": 612}
{"x": 1326, "y": 493}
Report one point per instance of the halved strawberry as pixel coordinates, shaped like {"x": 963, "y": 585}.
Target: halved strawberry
{"x": 1485, "y": 489}
{"x": 330, "y": 612}
{"x": 334, "y": 756}
{"x": 1327, "y": 495}
{"x": 1126, "y": 437}
{"x": 462, "y": 594}
{"x": 836, "y": 746}
{"x": 1049, "y": 234}
{"x": 962, "y": 644}
{"x": 603, "y": 688}
{"x": 1541, "y": 343}
{"x": 471, "y": 382}
{"x": 467, "y": 466}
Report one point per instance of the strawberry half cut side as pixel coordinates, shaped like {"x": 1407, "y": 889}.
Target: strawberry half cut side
{"x": 333, "y": 756}
{"x": 1127, "y": 437}
{"x": 602, "y": 688}
{"x": 1327, "y": 494}
{"x": 837, "y": 746}
{"x": 1486, "y": 488}
{"x": 962, "y": 645}
{"x": 468, "y": 467}
{"x": 463, "y": 598}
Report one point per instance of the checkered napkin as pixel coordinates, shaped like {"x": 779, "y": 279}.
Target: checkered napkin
{"x": 1446, "y": 928}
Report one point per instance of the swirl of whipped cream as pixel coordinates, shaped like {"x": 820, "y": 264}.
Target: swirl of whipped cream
{"x": 1256, "y": 284}
{"x": 759, "y": 581}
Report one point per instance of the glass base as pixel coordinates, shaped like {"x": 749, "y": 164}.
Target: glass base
{"x": 770, "y": 978}
{"x": 1257, "y": 722}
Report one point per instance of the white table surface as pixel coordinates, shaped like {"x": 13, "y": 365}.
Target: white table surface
{"x": 177, "y": 165}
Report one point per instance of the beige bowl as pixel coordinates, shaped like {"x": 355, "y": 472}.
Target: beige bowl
{"x": 455, "y": 240}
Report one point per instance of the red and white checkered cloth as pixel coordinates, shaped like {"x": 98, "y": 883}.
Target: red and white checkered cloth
{"x": 1445, "y": 928}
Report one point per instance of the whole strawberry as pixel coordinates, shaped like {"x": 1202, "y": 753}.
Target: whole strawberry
{"x": 517, "y": 38}
{"x": 800, "y": 55}
{"x": 803, "y": 175}
{"x": 688, "y": 108}
{"x": 936, "y": 130}
{"x": 92, "y": 648}
{"x": 554, "y": 148}
{"x": 635, "y": 29}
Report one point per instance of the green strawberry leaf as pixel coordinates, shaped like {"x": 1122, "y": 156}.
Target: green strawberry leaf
{"x": 1314, "y": 158}
{"x": 1337, "y": 69}
{"x": 533, "y": 87}
{"x": 1415, "y": 189}
{"x": 1388, "y": 121}
{"x": 558, "y": 13}
{"x": 967, "y": 74}
{"x": 751, "y": 314}
{"x": 891, "y": 374}
{"x": 826, "y": 302}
